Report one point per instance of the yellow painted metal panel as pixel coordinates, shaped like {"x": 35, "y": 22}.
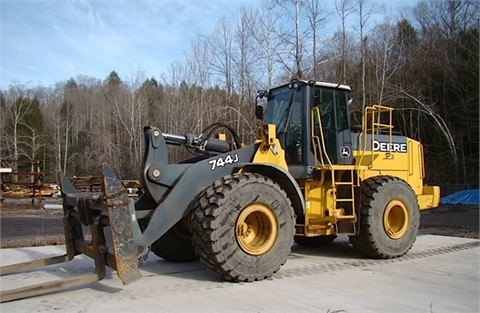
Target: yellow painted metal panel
{"x": 319, "y": 209}
{"x": 430, "y": 198}
{"x": 270, "y": 151}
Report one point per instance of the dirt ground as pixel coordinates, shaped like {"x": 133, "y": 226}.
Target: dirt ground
{"x": 25, "y": 226}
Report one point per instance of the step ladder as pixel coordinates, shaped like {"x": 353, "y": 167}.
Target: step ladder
{"x": 346, "y": 222}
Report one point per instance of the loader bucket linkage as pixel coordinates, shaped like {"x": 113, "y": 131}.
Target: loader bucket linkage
{"x": 112, "y": 208}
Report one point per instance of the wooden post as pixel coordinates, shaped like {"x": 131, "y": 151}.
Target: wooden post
{"x": 3, "y": 170}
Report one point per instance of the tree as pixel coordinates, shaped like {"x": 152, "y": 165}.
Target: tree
{"x": 113, "y": 79}
{"x": 363, "y": 19}
{"x": 3, "y": 109}
{"x": 30, "y": 131}
{"x": 16, "y": 116}
{"x": 446, "y": 78}
{"x": 344, "y": 9}
{"x": 290, "y": 50}
{"x": 426, "y": 66}
{"x": 153, "y": 94}
{"x": 221, "y": 46}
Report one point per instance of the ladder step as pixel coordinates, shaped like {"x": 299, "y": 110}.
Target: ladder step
{"x": 344, "y": 183}
{"x": 345, "y": 200}
{"x": 345, "y": 217}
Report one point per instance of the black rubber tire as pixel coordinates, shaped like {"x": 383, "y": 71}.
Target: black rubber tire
{"x": 314, "y": 241}
{"x": 214, "y": 227}
{"x": 176, "y": 244}
{"x": 373, "y": 240}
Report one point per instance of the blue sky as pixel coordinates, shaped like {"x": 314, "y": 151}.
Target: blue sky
{"x": 47, "y": 41}
{"x": 43, "y": 42}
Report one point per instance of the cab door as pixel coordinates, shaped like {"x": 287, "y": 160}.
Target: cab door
{"x": 332, "y": 104}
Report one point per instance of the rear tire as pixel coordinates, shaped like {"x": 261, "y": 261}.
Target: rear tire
{"x": 176, "y": 244}
{"x": 243, "y": 227}
{"x": 389, "y": 218}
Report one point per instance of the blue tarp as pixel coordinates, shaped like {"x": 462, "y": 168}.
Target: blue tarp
{"x": 470, "y": 196}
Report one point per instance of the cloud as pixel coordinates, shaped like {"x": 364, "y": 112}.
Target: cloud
{"x": 49, "y": 40}
{"x": 53, "y": 40}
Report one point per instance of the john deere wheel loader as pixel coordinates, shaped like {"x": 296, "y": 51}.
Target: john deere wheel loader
{"x": 238, "y": 209}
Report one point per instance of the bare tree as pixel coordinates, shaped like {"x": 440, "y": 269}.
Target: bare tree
{"x": 427, "y": 69}
{"x": 18, "y": 108}
{"x": 221, "y": 44}
{"x": 129, "y": 111}
{"x": 53, "y": 99}
{"x": 316, "y": 16}
{"x": 199, "y": 71}
{"x": 363, "y": 17}
{"x": 383, "y": 61}
{"x": 245, "y": 55}
{"x": 344, "y": 9}
{"x": 244, "y": 67}
{"x": 289, "y": 50}
{"x": 260, "y": 23}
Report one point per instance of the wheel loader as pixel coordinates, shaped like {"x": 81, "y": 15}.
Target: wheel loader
{"x": 238, "y": 209}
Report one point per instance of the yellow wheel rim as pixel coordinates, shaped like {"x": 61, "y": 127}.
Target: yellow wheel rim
{"x": 396, "y": 219}
{"x": 256, "y": 229}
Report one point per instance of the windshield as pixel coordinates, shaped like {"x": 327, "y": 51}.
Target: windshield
{"x": 284, "y": 109}
{"x": 279, "y": 104}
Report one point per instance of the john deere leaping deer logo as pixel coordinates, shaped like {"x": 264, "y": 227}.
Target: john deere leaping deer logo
{"x": 345, "y": 151}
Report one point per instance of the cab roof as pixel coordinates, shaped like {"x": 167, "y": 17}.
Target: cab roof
{"x": 328, "y": 85}
{"x": 317, "y": 83}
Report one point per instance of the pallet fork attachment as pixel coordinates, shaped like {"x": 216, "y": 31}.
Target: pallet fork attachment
{"x": 110, "y": 208}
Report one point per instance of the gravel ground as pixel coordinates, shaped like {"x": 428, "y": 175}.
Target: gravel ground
{"x": 24, "y": 226}
{"x": 451, "y": 220}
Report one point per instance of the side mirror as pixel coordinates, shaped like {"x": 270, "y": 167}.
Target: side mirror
{"x": 259, "y": 112}
{"x": 258, "y": 107}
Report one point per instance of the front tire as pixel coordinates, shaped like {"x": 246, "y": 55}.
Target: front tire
{"x": 243, "y": 227}
{"x": 176, "y": 244}
{"x": 389, "y": 218}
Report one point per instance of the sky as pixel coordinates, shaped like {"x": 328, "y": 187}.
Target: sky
{"x": 47, "y": 41}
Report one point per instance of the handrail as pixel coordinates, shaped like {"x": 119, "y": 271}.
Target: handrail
{"x": 371, "y": 124}
{"x": 319, "y": 140}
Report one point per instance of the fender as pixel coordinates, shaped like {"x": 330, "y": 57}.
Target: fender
{"x": 284, "y": 179}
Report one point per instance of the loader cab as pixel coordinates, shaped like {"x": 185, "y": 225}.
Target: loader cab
{"x": 303, "y": 113}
